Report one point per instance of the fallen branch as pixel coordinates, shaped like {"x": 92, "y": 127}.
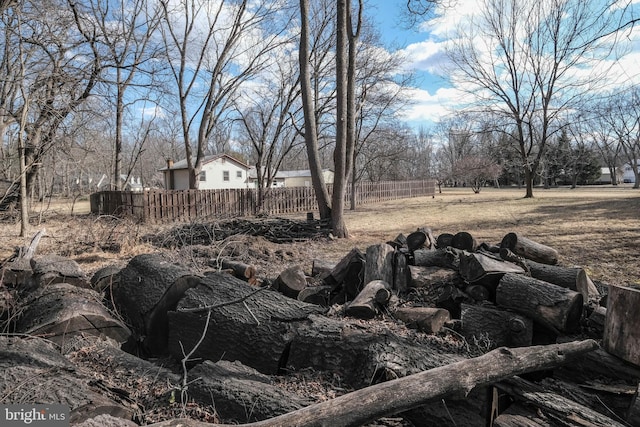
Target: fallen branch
{"x": 412, "y": 391}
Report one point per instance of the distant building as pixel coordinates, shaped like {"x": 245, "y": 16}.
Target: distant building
{"x": 131, "y": 183}
{"x": 627, "y": 172}
{"x": 605, "y": 176}
{"x": 218, "y": 171}
{"x": 293, "y": 178}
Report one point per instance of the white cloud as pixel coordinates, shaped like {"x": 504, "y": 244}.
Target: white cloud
{"x": 430, "y": 108}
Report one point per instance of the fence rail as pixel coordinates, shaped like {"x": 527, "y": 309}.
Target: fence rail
{"x": 191, "y": 205}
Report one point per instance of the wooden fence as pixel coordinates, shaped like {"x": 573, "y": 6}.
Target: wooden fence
{"x": 191, "y": 205}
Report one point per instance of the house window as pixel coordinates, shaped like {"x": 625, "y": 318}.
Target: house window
{"x": 238, "y": 174}
{"x": 225, "y": 175}
{"x": 203, "y": 176}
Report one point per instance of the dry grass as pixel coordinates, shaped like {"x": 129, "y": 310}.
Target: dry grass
{"x": 597, "y": 228}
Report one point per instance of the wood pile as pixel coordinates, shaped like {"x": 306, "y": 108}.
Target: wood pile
{"x": 437, "y": 330}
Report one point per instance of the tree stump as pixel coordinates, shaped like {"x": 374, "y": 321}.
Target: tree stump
{"x": 529, "y": 249}
{"x": 495, "y": 328}
{"x": 621, "y": 333}
{"x": 425, "y": 319}
{"x": 366, "y": 305}
{"x": 552, "y": 306}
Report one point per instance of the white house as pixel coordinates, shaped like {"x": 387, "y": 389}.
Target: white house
{"x": 605, "y": 176}
{"x": 218, "y": 171}
{"x": 627, "y": 172}
{"x": 293, "y": 178}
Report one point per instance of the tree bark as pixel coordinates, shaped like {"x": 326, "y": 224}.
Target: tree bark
{"x": 437, "y": 258}
{"x": 554, "y": 307}
{"x": 429, "y": 277}
{"x": 291, "y": 281}
{"x": 574, "y": 278}
{"x": 61, "y": 311}
{"x": 409, "y": 392}
{"x": 529, "y": 249}
{"x": 476, "y": 266}
{"x": 495, "y": 328}
{"x": 425, "y": 319}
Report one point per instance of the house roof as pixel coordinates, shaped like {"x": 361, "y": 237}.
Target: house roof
{"x": 182, "y": 164}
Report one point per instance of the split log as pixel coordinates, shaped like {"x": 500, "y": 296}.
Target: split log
{"x": 291, "y": 281}
{"x": 558, "y": 409}
{"x": 247, "y": 324}
{"x": 621, "y": 334}
{"x": 435, "y": 258}
{"x": 476, "y": 266}
{"x": 241, "y": 270}
{"x": 554, "y": 307}
{"x": 144, "y": 291}
{"x": 33, "y": 370}
{"x": 368, "y": 302}
{"x": 529, "y": 249}
{"x": 321, "y": 268}
{"x": 596, "y": 321}
{"x": 429, "y": 277}
{"x": 401, "y": 273}
{"x": 61, "y": 311}
{"x": 379, "y": 263}
{"x": 402, "y": 394}
{"x": 234, "y": 388}
{"x": 464, "y": 241}
{"x": 430, "y": 243}
{"x": 48, "y": 269}
{"x": 425, "y": 319}
{"x": 348, "y": 273}
{"x": 574, "y": 278}
{"x": 495, "y": 328}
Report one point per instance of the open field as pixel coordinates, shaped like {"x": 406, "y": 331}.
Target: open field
{"x": 596, "y": 227}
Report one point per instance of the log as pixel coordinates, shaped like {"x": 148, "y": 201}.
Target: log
{"x": 416, "y": 240}
{"x": 479, "y": 293}
{"x": 621, "y": 335}
{"x": 241, "y": 270}
{"x": 144, "y": 291}
{"x": 492, "y": 328}
{"x": 379, "y": 263}
{"x": 402, "y": 394}
{"x": 33, "y": 370}
{"x": 102, "y": 280}
{"x": 348, "y": 273}
{"x": 529, "y": 249}
{"x": 558, "y": 409}
{"x": 16, "y": 270}
{"x": 450, "y": 298}
{"x": 444, "y": 240}
{"x": 319, "y": 295}
{"x": 291, "y": 281}
{"x": 428, "y": 277}
{"x": 61, "y": 311}
{"x": 574, "y": 278}
{"x": 235, "y": 387}
{"x": 430, "y": 243}
{"x": 367, "y": 304}
{"x": 476, "y": 266}
{"x": 435, "y": 258}
{"x": 556, "y": 308}
{"x": 321, "y": 268}
{"x": 596, "y": 321}
{"x": 518, "y": 415}
{"x": 401, "y": 273}
{"x": 633, "y": 413}
{"x": 253, "y": 326}
{"x": 425, "y": 319}
{"x": 464, "y": 241}
{"x": 48, "y": 269}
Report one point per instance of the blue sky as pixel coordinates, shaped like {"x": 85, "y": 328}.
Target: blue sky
{"x": 434, "y": 95}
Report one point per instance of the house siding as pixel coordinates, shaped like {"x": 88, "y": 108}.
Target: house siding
{"x": 213, "y": 171}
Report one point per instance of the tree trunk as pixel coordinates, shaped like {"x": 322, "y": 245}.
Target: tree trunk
{"x": 379, "y": 263}
{"x": 493, "y": 328}
{"x": 144, "y": 291}
{"x": 554, "y": 307}
{"x": 621, "y": 334}
{"x": 402, "y": 394}
{"x": 529, "y": 249}
{"x": 574, "y": 278}
{"x": 62, "y": 311}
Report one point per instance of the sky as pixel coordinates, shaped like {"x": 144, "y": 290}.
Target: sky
{"x": 434, "y": 96}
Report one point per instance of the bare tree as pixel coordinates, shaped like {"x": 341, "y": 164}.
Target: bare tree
{"x": 213, "y": 49}
{"x": 476, "y": 170}
{"x": 526, "y": 61}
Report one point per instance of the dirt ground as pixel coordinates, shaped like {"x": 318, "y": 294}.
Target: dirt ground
{"x": 597, "y": 228}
